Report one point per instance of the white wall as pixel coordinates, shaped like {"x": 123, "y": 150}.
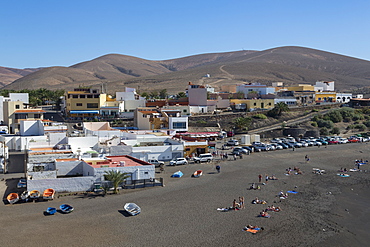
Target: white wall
{"x": 31, "y": 128}
{"x": 83, "y": 143}
{"x": 19, "y": 97}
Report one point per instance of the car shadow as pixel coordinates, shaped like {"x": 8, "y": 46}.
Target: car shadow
{"x": 124, "y": 213}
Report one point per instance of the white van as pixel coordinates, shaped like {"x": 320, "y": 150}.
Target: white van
{"x": 203, "y": 158}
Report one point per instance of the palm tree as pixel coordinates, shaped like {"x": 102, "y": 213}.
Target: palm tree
{"x": 116, "y": 177}
{"x": 281, "y": 107}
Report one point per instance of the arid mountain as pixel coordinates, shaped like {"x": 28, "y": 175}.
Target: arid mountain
{"x": 8, "y": 75}
{"x": 291, "y": 65}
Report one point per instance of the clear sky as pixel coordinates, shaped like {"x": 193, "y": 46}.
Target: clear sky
{"x": 43, "y": 33}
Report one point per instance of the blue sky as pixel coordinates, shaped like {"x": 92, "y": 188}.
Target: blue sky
{"x": 62, "y": 33}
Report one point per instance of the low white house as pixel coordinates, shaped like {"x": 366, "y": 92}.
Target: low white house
{"x": 81, "y": 175}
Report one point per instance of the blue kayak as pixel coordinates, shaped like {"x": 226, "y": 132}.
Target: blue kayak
{"x": 51, "y": 210}
{"x": 66, "y": 208}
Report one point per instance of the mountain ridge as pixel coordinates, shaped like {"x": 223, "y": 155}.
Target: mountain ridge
{"x": 289, "y": 64}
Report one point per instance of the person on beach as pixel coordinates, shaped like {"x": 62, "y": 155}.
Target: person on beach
{"x": 218, "y": 168}
{"x": 260, "y": 178}
{"x": 266, "y": 178}
{"x": 235, "y": 205}
{"x": 241, "y": 202}
{"x": 307, "y": 159}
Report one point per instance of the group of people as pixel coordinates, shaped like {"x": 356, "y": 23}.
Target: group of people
{"x": 238, "y": 205}
{"x": 258, "y": 201}
{"x": 295, "y": 169}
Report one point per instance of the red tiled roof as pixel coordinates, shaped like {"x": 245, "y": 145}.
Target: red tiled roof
{"x": 29, "y": 111}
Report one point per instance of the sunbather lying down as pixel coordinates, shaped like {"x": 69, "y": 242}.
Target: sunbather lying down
{"x": 258, "y": 201}
{"x": 253, "y": 229}
{"x": 264, "y": 214}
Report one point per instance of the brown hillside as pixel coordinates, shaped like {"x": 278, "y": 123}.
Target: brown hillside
{"x": 291, "y": 65}
{"x": 8, "y": 75}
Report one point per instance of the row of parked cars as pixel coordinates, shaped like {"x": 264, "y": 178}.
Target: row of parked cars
{"x": 290, "y": 142}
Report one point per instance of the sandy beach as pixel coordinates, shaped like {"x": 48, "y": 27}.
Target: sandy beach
{"x": 327, "y": 210}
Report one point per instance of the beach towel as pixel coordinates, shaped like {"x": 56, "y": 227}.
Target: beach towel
{"x": 292, "y": 191}
{"x": 343, "y": 175}
{"x": 223, "y": 209}
{"x": 254, "y": 230}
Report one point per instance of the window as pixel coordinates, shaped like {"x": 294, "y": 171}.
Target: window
{"x": 96, "y": 96}
{"x": 89, "y": 96}
{"x": 254, "y": 103}
{"x": 21, "y": 116}
{"x": 92, "y": 105}
{"x": 36, "y": 115}
{"x": 82, "y": 96}
{"x": 75, "y": 96}
{"x": 179, "y": 125}
{"x": 78, "y": 104}
{"x": 17, "y": 106}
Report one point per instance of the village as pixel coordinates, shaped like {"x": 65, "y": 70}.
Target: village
{"x": 75, "y": 154}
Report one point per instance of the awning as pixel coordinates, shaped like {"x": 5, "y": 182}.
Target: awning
{"x": 84, "y": 112}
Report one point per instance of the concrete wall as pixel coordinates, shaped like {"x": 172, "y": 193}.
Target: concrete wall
{"x": 69, "y": 168}
{"x": 62, "y": 184}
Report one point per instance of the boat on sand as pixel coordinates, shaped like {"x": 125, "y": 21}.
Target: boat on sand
{"x": 198, "y": 173}
{"x": 25, "y": 195}
{"x": 34, "y": 194}
{"x": 66, "y": 208}
{"x": 48, "y": 194}
{"x": 51, "y": 210}
{"x": 132, "y": 208}
{"x": 12, "y": 198}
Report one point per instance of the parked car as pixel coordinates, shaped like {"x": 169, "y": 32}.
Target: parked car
{"x": 155, "y": 162}
{"x": 232, "y": 142}
{"x": 22, "y": 183}
{"x": 178, "y": 161}
{"x": 249, "y": 148}
{"x": 241, "y": 150}
{"x": 353, "y": 140}
{"x": 203, "y": 158}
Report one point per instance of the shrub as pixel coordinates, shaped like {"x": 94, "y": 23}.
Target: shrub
{"x": 334, "y": 116}
{"x": 260, "y": 116}
{"x": 357, "y": 117}
{"x": 367, "y": 123}
{"x": 360, "y": 127}
{"x": 315, "y": 110}
{"x": 325, "y": 123}
{"x": 314, "y": 124}
{"x": 335, "y": 131}
{"x": 347, "y": 112}
{"x": 324, "y": 131}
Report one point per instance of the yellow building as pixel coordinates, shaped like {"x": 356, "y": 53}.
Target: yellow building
{"x": 17, "y": 111}
{"x": 301, "y": 87}
{"x": 251, "y": 104}
{"x": 326, "y": 96}
{"x": 84, "y": 102}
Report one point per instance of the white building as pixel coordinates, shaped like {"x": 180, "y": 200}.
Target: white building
{"x": 254, "y": 87}
{"x": 322, "y": 86}
{"x": 344, "y": 97}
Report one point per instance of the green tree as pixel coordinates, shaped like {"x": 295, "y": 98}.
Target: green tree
{"x": 116, "y": 177}
{"x": 163, "y": 94}
{"x": 242, "y": 122}
{"x": 278, "y": 109}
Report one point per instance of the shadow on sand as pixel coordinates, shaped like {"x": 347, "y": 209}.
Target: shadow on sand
{"x": 124, "y": 213}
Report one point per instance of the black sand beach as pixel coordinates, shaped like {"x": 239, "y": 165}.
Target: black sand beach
{"x": 328, "y": 210}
